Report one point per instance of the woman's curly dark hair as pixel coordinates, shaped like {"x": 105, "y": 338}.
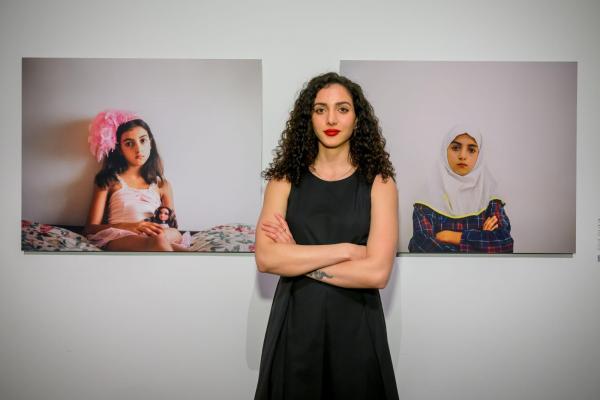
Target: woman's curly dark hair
{"x": 298, "y": 146}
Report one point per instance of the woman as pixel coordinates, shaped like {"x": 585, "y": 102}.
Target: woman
{"x": 329, "y": 228}
{"x": 461, "y": 210}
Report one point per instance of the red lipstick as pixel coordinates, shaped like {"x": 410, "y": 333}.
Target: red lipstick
{"x": 332, "y": 132}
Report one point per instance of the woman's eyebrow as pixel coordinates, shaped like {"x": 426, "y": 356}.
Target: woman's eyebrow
{"x": 339, "y": 103}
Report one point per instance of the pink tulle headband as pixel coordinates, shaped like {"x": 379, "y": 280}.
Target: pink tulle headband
{"x": 103, "y": 131}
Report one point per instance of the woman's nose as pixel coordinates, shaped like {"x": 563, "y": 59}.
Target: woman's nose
{"x": 331, "y": 118}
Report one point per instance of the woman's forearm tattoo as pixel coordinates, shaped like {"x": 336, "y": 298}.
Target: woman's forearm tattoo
{"x": 319, "y": 275}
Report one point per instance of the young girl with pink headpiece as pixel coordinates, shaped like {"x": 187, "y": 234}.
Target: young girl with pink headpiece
{"x": 129, "y": 187}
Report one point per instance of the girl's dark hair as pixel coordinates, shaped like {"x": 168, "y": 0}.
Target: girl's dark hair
{"x": 172, "y": 221}
{"x": 298, "y": 146}
{"x": 115, "y": 163}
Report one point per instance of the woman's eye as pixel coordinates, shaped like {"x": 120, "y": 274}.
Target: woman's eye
{"x": 455, "y": 147}
{"x": 344, "y": 110}
{"x": 319, "y": 110}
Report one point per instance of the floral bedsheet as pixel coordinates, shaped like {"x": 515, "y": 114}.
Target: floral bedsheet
{"x": 42, "y": 237}
{"x": 226, "y": 238}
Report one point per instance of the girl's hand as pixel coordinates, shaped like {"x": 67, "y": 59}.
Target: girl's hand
{"x": 278, "y": 231}
{"x": 491, "y": 223}
{"x": 146, "y": 227}
{"x": 449, "y": 237}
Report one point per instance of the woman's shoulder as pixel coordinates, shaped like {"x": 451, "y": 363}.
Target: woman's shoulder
{"x": 280, "y": 186}
{"x": 381, "y": 180}
{"x": 276, "y": 196}
{"x": 384, "y": 187}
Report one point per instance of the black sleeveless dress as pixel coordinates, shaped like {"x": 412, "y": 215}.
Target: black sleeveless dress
{"x": 323, "y": 341}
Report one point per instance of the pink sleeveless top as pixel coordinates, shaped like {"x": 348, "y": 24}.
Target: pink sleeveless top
{"x": 132, "y": 205}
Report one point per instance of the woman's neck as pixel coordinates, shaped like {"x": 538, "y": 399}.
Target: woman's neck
{"x": 333, "y": 164}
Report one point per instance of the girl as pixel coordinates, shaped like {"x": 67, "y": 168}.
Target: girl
{"x": 129, "y": 187}
{"x": 329, "y": 228}
{"x": 461, "y": 211}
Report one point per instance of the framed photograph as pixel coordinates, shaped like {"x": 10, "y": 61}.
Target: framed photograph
{"x": 485, "y": 152}
{"x": 205, "y": 118}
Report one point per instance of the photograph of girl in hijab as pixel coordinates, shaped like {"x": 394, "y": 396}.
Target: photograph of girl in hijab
{"x": 461, "y": 209}
{"x": 485, "y": 152}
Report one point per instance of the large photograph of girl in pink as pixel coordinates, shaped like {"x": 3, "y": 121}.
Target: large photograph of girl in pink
{"x": 485, "y": 152}
{"x": 108, "y": 144}
{"x": 132, "y": 200}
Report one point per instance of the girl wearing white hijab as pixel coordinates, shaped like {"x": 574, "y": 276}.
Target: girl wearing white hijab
{"x": 461, "y": 210}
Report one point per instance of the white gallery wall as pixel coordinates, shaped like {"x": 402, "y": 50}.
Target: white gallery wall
{"x": 190, "y": 326}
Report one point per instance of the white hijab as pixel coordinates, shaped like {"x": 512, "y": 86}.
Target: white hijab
{"x": 459, "y": 196}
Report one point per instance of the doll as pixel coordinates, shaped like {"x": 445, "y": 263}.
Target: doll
{"x": 165, "y": 217}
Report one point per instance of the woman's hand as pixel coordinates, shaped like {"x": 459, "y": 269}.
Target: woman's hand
{"x": 145, "y": 227}
{"x": 279, "y": 230}
{"x": 491, "y": 223}
{"x": 449, "y": 237}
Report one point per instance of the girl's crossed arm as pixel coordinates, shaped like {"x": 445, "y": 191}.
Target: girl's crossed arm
{"x": 494, "y": 237}
{"x": 424, "y": 240}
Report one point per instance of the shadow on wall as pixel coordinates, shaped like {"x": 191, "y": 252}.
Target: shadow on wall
{"x": 260, "y": 305}
{"x": 393, "y": 315}
{"x": 64, "y": 148}
{"x": 79, "y": 190}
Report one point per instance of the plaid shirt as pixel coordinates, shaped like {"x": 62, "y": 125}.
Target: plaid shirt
{"x": 426, "y": 223}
